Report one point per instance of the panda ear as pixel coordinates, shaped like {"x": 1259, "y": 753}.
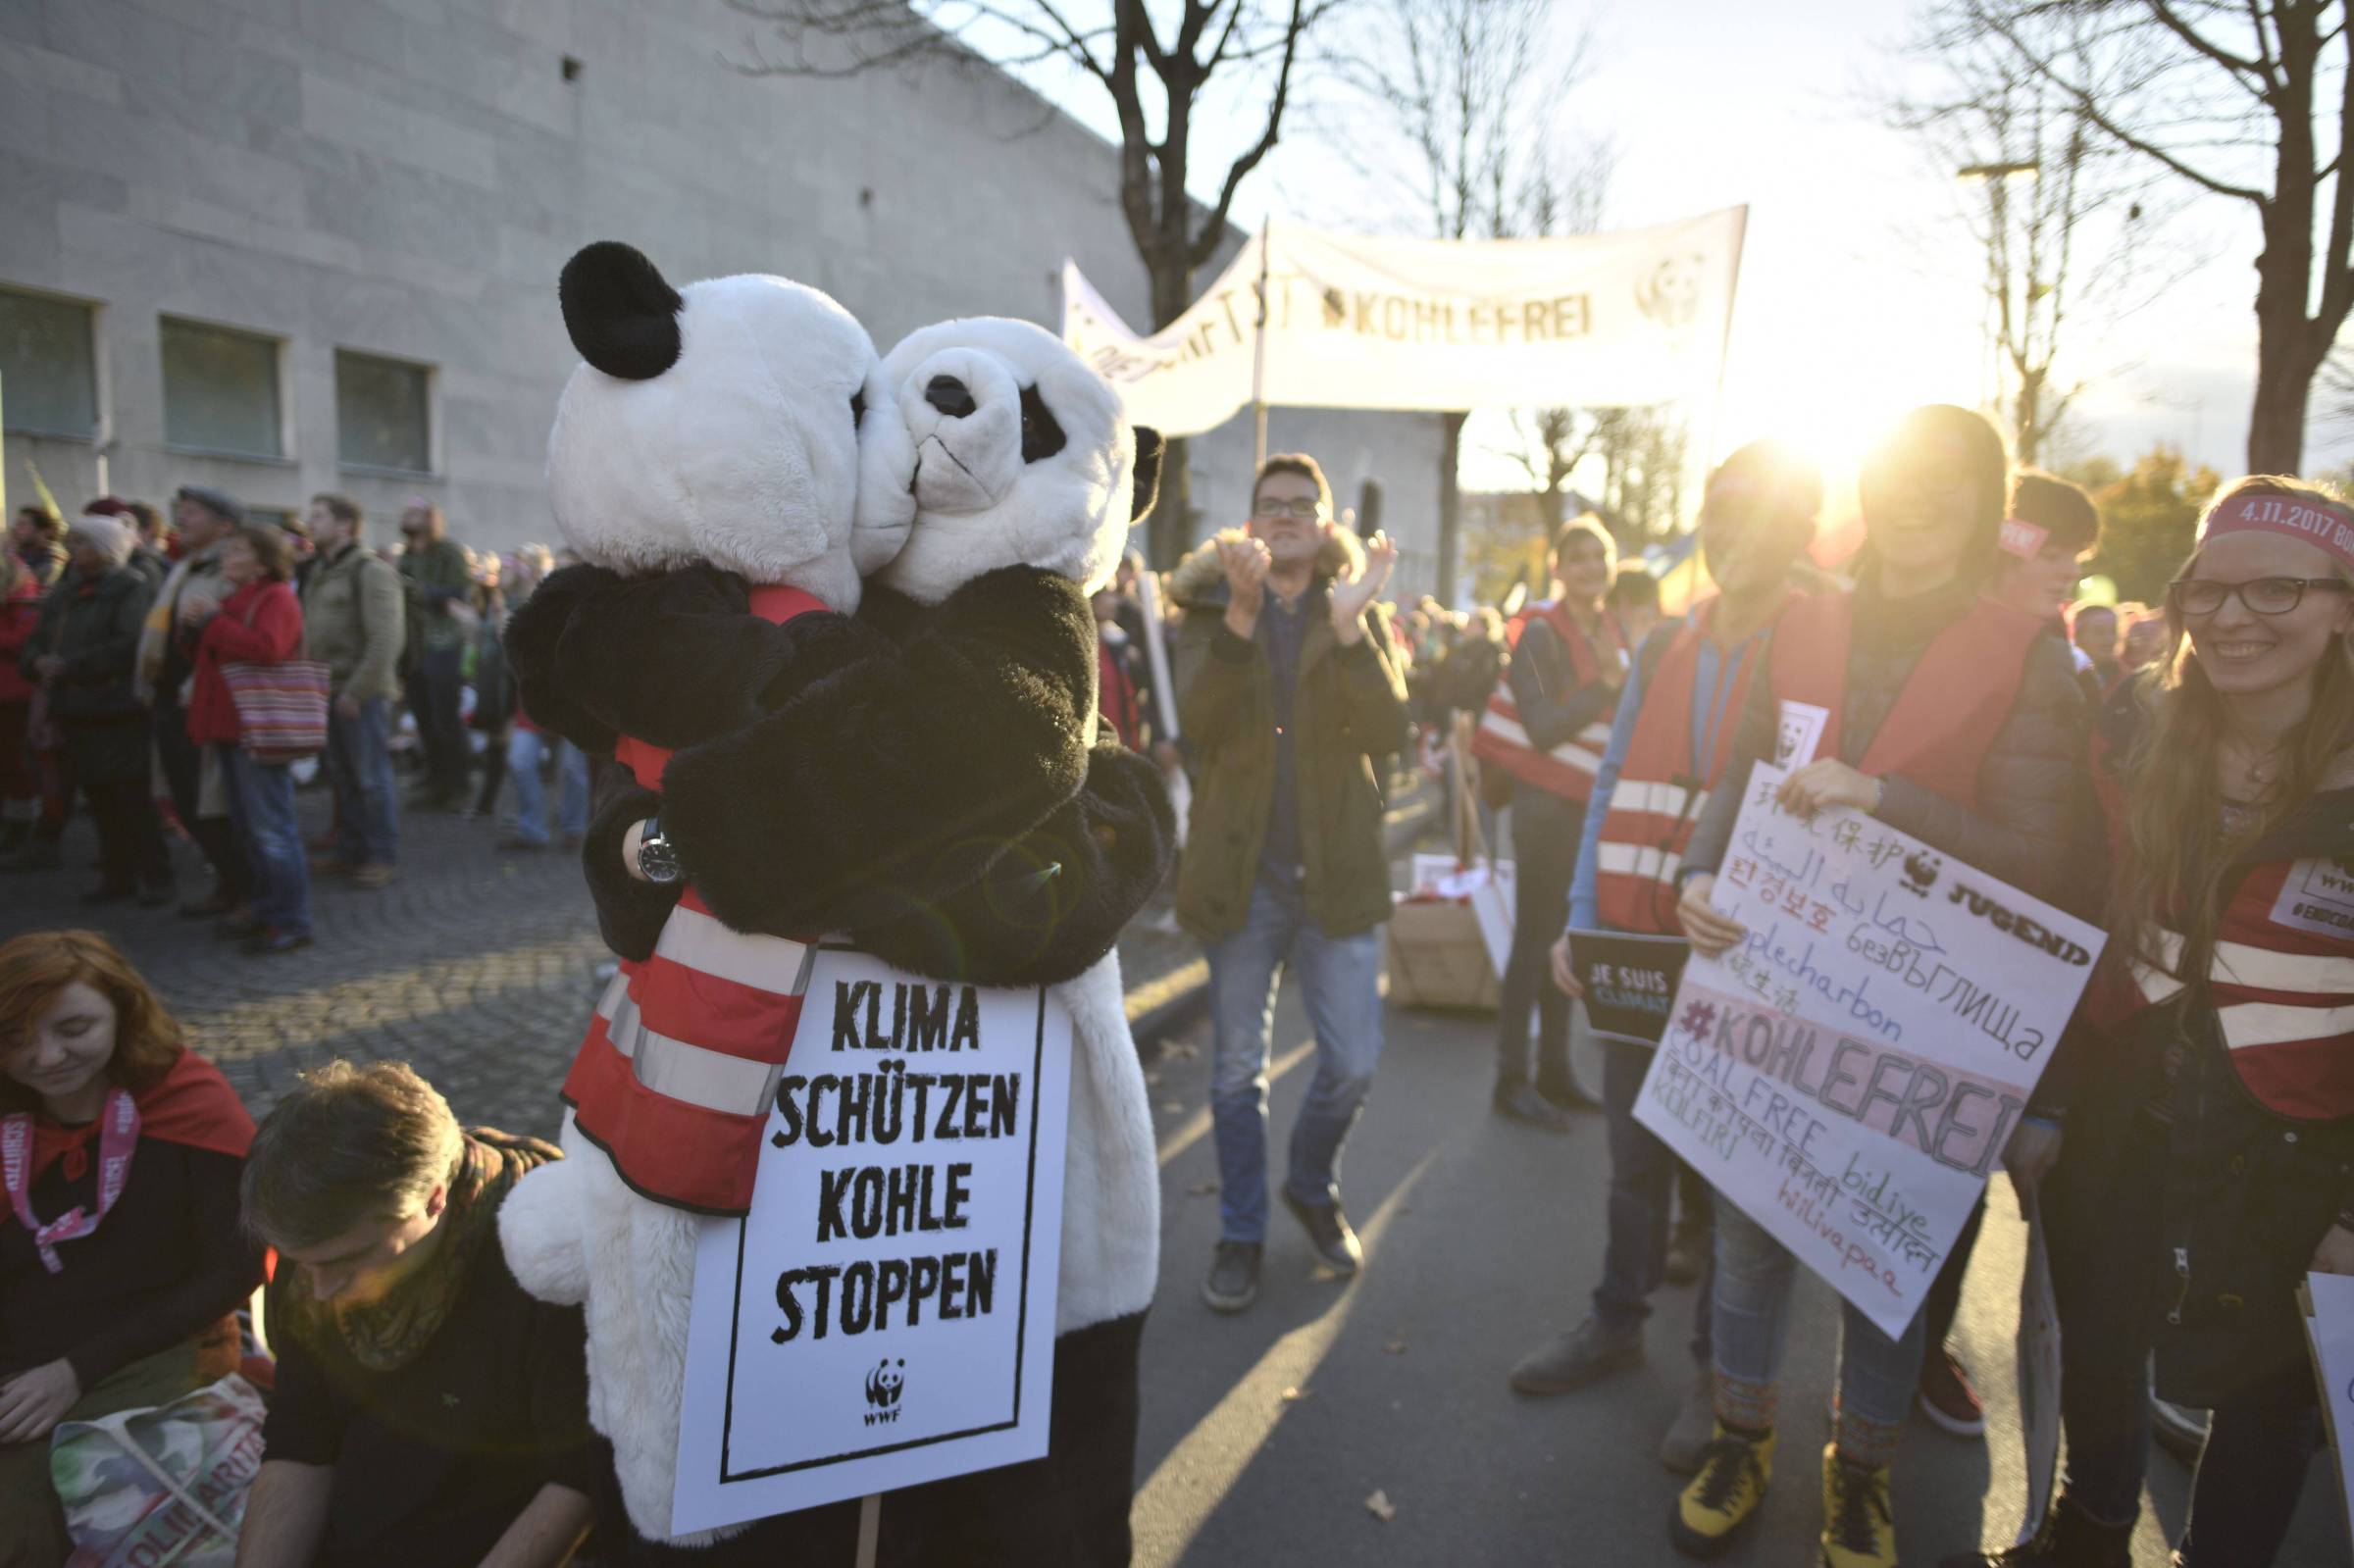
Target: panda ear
{"x": 622, "y": 317}
{"x": 1149, "y": 450}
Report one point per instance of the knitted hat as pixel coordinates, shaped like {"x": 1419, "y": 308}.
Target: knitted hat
{"x": 109, "y": 535}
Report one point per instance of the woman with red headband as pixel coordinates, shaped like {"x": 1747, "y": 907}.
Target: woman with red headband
{"x": 2210, "y": 1159}
{"x": 121, "y": 1252}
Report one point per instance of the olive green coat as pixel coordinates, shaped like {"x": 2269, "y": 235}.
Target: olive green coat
{"x": 1348, "y": 713}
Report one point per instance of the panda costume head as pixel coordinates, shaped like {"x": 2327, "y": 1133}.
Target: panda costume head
{"x": 1022, "y": 454}
{"x": 744, "y": 421}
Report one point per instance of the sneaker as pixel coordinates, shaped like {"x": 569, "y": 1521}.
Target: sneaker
{"x": 1233, "y": 1282}
{"x": 1859, "y": 1523}
{"x": 1724, "y": 1497}
{"x": 1560, "y": 1090}
{"x": 1337, "y": 1246}
{"x": 2068, "y": 1537}
{"x": 1520, "y": 1103}
{"x": 1570, "y": 1360}
{"x": 2180, "y": 1430}
{"x": 1688, "y": 1250}
{"x": 1946, "y": 1396}
{"x": 371, "y": 875}
{"x": 1687, "y": 1441}
{"x": 270, "y": 942}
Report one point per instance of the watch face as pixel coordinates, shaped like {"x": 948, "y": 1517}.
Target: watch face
{"x": 658, "y": 860}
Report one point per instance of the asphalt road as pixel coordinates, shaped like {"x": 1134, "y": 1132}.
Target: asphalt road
{"x": 1265, "y": 1434}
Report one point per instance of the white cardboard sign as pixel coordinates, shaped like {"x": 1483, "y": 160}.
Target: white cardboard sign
{"x": 2328, "y": 1302}
{"x": 1849, "y": 1074}
{"x": 884, "y": 1316}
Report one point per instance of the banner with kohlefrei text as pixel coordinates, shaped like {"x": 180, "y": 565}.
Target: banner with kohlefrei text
{"x": 1849, "y": 1074}
{"x": 1362, "y": 320}
{"x": 884, "y": 1315}
{"x": 1630, "y": 980}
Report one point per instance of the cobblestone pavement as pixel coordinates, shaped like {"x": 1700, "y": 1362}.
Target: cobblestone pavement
{"x": 477, "y": 967}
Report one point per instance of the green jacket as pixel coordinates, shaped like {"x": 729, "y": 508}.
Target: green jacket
{"x": 1349, "y": 710}
{"x": 434, "y": 575}
{"x": 357, "y": 621}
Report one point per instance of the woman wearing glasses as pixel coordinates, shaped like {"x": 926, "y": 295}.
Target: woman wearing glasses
{"x": 1949, "y": 716}
{"x": 2214, "y": 1164}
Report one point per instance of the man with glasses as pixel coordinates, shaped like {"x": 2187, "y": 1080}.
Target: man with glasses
{"x": 1291, "y": 697}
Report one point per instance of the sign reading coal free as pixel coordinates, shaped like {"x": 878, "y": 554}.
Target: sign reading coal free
{"x": 1849, "y": 1074}
{"x": 884, "y": 1316}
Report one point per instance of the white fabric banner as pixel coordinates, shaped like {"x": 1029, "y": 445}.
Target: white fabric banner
{"x": 884, "y": 1316}
{"x": 1356, "y": 321}
{"x": 1849, "y": 1074}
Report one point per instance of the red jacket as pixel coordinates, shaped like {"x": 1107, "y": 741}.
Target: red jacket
{"x": 19, "y": 613}
{"x": 259, "y": 624}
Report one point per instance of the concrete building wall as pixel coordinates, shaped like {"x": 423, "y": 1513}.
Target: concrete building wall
{"x": 405, "y": 178}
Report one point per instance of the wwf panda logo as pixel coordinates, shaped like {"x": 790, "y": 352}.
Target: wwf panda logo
{"x": 1668, "y": 292}
{"x": 1921, "y": 873}
{"x": 884, "y": 1384}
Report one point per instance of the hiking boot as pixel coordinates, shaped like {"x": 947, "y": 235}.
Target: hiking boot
{"x": 1568, "y": 1361}
{"x": 371, "y": 875}
{"x": 1520, "y": 1103}
{"x": 1687, "y": 1441}
{"x": 1946, "y": 1396}
{"x": 2068, "y": 1537}
{"x": 2180, "y": 1430}
{"x": 1233, "y": 1282}
{"x": 1859, "y": 1525}
{"x": 1328, "y": 1233}
{"x": 1688, "y": 1250}
{"x": 1724, "y": 1497}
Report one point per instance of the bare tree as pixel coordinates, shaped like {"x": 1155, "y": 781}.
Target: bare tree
{"x": 2247, "y": 99}
{"x": 2058, "y": 205}
{"x": 1155, "y": 71}
{"x": 1466, "y": 92}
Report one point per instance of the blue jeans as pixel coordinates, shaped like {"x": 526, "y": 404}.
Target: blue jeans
{"x": 524, "y": 749}
{"x": 1877, "y": 1375}
{"x": 260, "y": 803}
{"x": 1340, "y": 981}
{"x": 1643, "y": 1179}
{"x": 359, "y": 765}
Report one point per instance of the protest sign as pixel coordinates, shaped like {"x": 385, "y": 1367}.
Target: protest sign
{"x": 1849, "y": 1073}
{"x": 2329, "y": 1303}
{"x": 884, "y": 1315}
{"x": 1629, "y": 982}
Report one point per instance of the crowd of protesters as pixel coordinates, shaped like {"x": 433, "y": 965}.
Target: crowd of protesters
{"x": 2165, "y": 772}
{"x": 126, "y": 641}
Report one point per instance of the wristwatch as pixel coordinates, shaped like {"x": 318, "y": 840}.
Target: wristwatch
{"x": 657, "y": 856}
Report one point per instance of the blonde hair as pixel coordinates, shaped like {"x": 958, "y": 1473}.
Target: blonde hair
{"x": 2175, "y": 850}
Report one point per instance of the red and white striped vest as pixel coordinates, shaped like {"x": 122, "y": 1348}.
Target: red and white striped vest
{"x": 1568, "y": 769}
{"x": 1952, "y": 706}
{"x": 1661, "y": 788}
{"x": 2280, "y": 981}
{"x": 681, "y": 1058}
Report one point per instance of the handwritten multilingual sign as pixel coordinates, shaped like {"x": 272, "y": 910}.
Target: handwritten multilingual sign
{"x": 1849, "y": 1074}
{"x": 884, "y": 1315}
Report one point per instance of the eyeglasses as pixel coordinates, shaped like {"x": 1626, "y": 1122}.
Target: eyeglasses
{"x": 1305, "y": 511}
{"x": 2262, "y": 595}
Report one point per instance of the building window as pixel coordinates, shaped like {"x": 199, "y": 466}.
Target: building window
{"x": 381, "y": 418}
{"x": 48, "y": 366}
{"x": 221, "y": 391}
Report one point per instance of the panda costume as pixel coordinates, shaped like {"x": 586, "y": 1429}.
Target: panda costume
{"x": 932, "y": 787}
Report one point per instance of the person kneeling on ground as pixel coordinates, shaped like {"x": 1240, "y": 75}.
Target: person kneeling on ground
{"x": 427, "y": 1410}
{"x": 117, "y": 1301}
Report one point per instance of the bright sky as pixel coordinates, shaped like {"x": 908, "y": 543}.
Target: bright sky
{"x": 1859, "y": 292}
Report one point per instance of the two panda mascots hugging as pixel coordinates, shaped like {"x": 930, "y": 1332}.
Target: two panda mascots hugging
{"x": 832, "y": 630}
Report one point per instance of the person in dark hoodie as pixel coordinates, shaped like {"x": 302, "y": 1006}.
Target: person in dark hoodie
{"x": 1292, "y": 696}
{"x": 1955, "y": 719}
{"x": 83, "y": 653}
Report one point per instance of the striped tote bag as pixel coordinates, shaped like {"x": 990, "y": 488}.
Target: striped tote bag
{"x": 281, "y": 707}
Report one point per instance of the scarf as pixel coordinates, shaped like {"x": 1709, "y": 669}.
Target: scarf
{"x": 192, "y": 1105}
{"x": 386, "y": 1335}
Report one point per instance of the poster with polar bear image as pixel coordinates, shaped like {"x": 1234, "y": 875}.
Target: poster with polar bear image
{"x": 884, "y": 1315}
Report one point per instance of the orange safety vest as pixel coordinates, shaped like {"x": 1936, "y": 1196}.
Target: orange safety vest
{"x": 1951, "y": 708}
{"x": 681, "y": 1058}
{"x": 1568, "y": 769}
{"x": 1661, "y": 788}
